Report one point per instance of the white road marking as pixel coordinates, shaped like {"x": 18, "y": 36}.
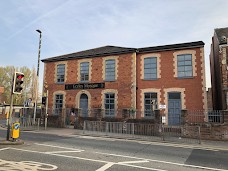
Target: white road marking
{"x": 59, "y": 147}
{"x": 104, "y": 139}
{"x": 142, "y": 167}
{"x": 63, "y": 152}
{"x": 4, "y": 149}
{"x": 160, "y": 161}
{"x": 108, "y": 165}
{"x": 125, "y": 164}
{"x": 80, "y": 158}
{"x": 128, "y": 162}
{"x": 25, "y": 165}
{"x": 179, "y": 146}
{"x": 96, "y": 138}
{"x": 87, "y": 137}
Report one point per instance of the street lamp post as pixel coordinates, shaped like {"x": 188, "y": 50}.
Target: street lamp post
{"x": 34, "y": 117}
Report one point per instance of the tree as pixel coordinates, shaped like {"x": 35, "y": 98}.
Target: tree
{"x": 6, "y": 79}
{"x": 32, "y": 89}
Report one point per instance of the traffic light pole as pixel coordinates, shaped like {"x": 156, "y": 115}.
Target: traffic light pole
{"x": 24, "y": 102}
{"x": 46, "y": 111}
{"x": 11, "y": 109}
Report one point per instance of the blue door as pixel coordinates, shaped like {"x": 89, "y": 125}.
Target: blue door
{"x": 84, "y": 104}
{"x": 174, "y": 108}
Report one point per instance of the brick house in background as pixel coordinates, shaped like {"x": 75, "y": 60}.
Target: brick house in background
{"x": 113, "y": 78}
{"x": 3, "y": 98}
{"x": 209, "y": 100}
{"x": 218, "y": 64}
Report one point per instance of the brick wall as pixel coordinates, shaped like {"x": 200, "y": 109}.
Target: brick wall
{"x": 209, "y": 99}
{"x": 2, "y": 96}
{"x": 193, "y": 92}
{"x": 1, "y": 89}
{"x": 216, "y": 75}
{"x": 3, "y": 114}
{"x": 121, "y": 87}
{"x": 208, "y": 131}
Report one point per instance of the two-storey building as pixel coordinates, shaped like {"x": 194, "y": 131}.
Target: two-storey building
{"x": 113, "y": 78}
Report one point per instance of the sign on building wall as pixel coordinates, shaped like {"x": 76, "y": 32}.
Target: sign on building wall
{"x": 84, "y": 86}
{"x": 162, "y": 106}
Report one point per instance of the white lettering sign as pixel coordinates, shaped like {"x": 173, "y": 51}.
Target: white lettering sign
{"x": 162, "y": 106}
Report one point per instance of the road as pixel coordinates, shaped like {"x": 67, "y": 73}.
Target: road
{"x": 84, "y": 153}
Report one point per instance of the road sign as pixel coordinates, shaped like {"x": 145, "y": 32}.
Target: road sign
{"x": 16, "y": 126}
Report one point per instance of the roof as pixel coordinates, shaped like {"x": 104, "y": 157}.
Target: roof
{"x": 101, "y": 51}
{"x": 172, "y": 47}
{"x": 2, "y": 85}
{"x": 114, "y": 50}
{"x": 222, "y": 35}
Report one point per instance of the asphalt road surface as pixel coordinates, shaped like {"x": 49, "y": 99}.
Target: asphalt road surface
{"x": 84, "y": 153}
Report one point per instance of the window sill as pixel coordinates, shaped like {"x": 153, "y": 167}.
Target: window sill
{"x": 60, "y": 83}
{"x": 83, "y": 82}
{"x": 109, "y": 80}
{"x": 148, "y": 79}
{"x": 84, "y": 116}
{"x": 109, "y": 116}
{"x": 147, "y": 117}
{"x": 184, "y": 77}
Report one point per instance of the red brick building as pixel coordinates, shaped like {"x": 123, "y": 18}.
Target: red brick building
{"x": 114, "y": 78}
{"x": 218, "y": 64}
{"x": 2, "y": 96}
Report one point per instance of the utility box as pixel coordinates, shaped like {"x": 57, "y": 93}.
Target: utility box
{"x": 15, "y": 130}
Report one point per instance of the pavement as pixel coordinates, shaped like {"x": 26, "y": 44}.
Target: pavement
{"x": 70, "y": 131}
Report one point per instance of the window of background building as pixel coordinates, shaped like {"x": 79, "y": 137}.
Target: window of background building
{"x": 150, "y": 104}
{"x": 109, "y": 104}
{"x": 110, "y": 70}
{"x": 150, "y": 68}
{"x": 58, "y": 101}
{"x": 60, "y": 73}
{"x": 184, "y": 63}
{"x": 84, "y": 73}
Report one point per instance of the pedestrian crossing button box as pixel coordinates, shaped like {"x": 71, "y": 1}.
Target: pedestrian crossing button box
{"x": 15, "y": 130}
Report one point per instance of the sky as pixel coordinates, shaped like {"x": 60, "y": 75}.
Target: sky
{"x": 74, "y": 25}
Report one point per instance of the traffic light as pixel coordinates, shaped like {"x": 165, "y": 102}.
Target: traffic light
{"x": 18, "y": 82}
{"x": 44, "y": 100}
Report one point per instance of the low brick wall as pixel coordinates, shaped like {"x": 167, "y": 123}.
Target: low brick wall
{"x": 2, "y": 116}
{"x": 208, "y": 130}
{"x": 79, "y": 121}
{"x": 53, "y": 121}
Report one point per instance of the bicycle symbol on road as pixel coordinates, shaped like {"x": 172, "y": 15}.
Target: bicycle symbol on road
{"x": 25, "y": 165}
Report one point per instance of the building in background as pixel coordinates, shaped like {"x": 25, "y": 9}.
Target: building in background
{"x": 3, "y": 98}
{"x": 209, "y": 100}
{"x": 218, "y": 64}
{"x": 113, "y": 78}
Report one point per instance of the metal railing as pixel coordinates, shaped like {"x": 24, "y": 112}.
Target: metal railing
{"x": 27, "y": 123}
{"x": 156, "y": 132}
{"x": 205, "y": 116}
